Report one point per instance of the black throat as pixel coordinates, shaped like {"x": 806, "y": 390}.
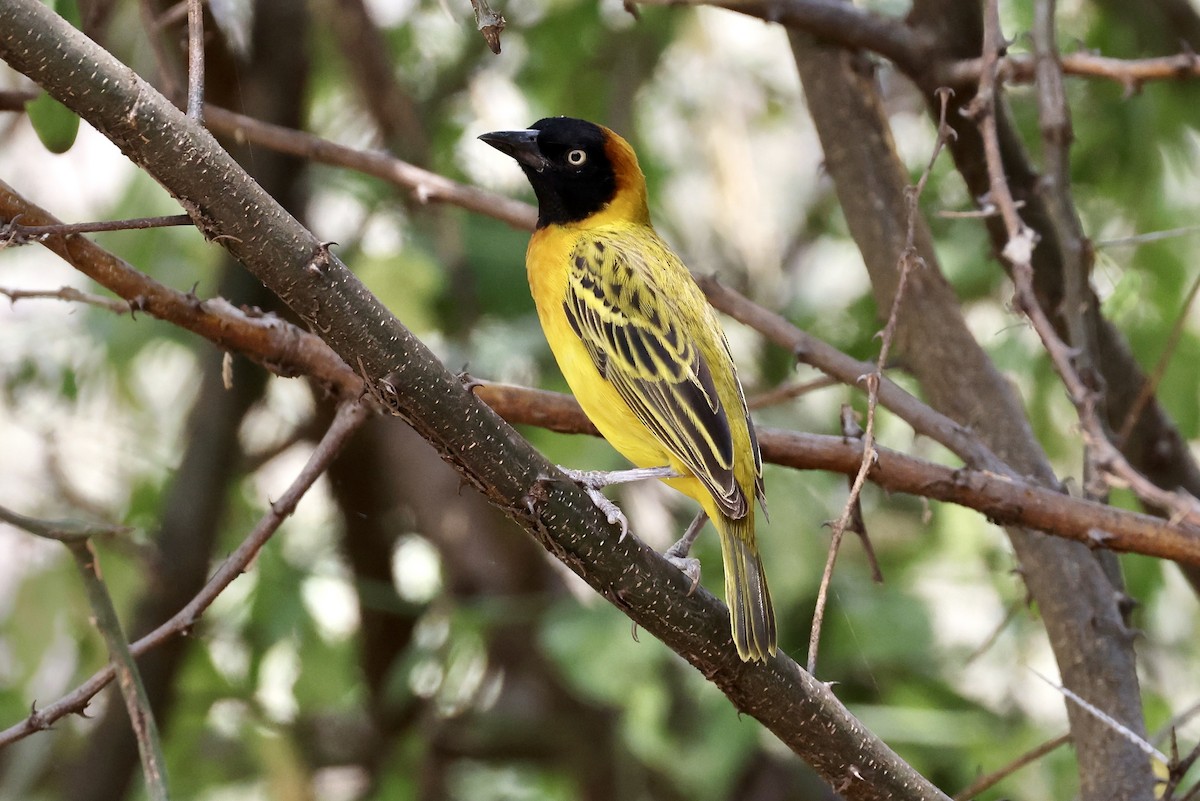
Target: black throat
{"x": 568, "y": 192}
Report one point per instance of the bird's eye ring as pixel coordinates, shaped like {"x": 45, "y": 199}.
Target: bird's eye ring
{"x": 576, "y": 158}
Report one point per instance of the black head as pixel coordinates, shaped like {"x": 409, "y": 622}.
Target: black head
{"x": 567, "y": 163}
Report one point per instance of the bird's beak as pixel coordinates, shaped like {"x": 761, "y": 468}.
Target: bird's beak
{"x": 521, "y": 145}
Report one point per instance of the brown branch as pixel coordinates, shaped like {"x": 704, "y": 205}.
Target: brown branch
{"x": 839, "y": 22}
{"x": 859, "y": 29}
{"x": 1001, "y": 499}
{"x": 993, "y": 489}
{"x": 1019, "y": 253}
{"x": 1131, "y": 73}
{"x": 270, "y": 341}
{"x": 195, "y": 90}
{"x": 77, "y": 537}
{"x": 426, "y": 186}
{"x": 350, "y": 416}
{"x": 989, "y": 780}
{"x": 68, "y": 293}
{"x": 1150, "y": 386}
{"x": 430, "y": 186}
{"x": 17, "y": 233}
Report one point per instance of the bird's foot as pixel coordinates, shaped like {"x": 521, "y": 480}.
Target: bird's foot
{"x": 688, "y": 565}
{"x": 677, "y": 554}
{"x": 592, "y": 481}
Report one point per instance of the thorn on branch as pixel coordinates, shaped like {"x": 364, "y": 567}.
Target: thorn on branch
{"x": 489, "y": 23}
{"x": 321, "y": 260}
{"x": 469, "y": 382}
{"x": 849, "y": 421}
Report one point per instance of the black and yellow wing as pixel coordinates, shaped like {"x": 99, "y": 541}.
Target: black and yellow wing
{"x": 650, "y": 333}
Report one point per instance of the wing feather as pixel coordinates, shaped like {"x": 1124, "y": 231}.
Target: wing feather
{"x": 633, "y": 333}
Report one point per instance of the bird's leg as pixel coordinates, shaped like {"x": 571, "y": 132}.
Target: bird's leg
{"x": 592, "y": 481}
{"x": 677, "y": 554}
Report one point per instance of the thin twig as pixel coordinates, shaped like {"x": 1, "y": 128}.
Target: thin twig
{"x": 350, "y": 416}
{"x": 1111, "y": 463}
{"x": 852, "y": 430}
{"x": 1130, "y": 73}
{"x": 279, "y": 346}
{"x": 1108, "y": 720}
{"x": 64, "y": 531}
{"x": 1142, "y": 239}
{"x": 195, "y": 94}
{"x": 1010, "y": 615}
{"x": 17, "y": 234}
{"x": 989, "y": 780}
{"x": 1150, "y": 385}
{"x": 909, "y": 259}
{"x": 77, "y": 537}
{"x": 1175, "y": 722}
{"x": 137, "y": 702}
{"x": 173, "y": 15}
{"x": 787, "y": 392}
{"x": 426, "y": 186}
{"x": 68, "y": 293}
{"x": 1077, "y": 304}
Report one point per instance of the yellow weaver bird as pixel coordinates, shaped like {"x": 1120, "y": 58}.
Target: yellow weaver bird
{"x": 641, "y": 349}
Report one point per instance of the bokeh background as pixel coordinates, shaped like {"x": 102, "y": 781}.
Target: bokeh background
{"x": 399, "y": 639}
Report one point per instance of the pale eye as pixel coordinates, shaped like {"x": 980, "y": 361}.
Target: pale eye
{"x": 576, "y": 158}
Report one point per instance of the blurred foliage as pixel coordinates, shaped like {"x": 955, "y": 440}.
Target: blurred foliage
{"x": 101, "y": 400}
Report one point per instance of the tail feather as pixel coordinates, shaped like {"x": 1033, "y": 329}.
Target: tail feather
{"x": 751, "y": 615}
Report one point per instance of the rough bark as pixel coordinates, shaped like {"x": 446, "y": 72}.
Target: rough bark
{"x": 1077, "y": 601}
{"x": 406, "y": 377}
{"x": 194, "y": 506}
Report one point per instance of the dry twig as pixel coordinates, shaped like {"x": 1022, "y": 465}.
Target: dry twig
{"x": 350, "y": 416}
{"x": 909, "y": 259}
{"x": 990, "y": 780}
{"x": 195, "y": 93}
{"x": 1109, "y": 462}
{"x": 77, "y": 537}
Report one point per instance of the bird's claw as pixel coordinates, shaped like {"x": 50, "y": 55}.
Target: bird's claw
{"x": 611, "y": 511}
{"x": 688, "y": 565}
{"x": 590, "y": 481}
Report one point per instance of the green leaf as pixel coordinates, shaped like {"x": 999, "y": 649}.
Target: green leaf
{"x": 55, "y": 124}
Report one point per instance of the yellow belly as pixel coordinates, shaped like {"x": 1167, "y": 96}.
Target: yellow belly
{"x": 600, "y": 400}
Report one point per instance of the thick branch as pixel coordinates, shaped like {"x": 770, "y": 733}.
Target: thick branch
{"x": 407, "y": 378}
{"x": 991, "y": 488}
{"x": 1077, "y": 601}
{"x": 832, "y": 20}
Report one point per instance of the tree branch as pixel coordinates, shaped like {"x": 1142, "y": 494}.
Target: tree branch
{"x": 403, "y": 374}
{"x": 1076, "y": 599}
{"x": 988, "y": 486}
{"x": 349, "y": 417}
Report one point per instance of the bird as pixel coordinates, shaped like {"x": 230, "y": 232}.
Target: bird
{"x": 642, "y": 350}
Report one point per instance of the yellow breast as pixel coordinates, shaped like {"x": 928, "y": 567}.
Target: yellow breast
{"x": 548, "y": 263}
